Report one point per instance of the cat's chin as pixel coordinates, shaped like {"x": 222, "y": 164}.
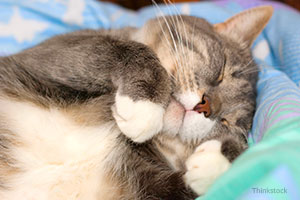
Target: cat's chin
{"x": 189, "y": 125}
{"x": 195, "y": 126}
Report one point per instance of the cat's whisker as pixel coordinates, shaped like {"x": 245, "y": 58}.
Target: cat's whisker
{"x": 192, "y": 42}
{"x": 186, "y": 37}
{"x": 172, "y": 56}
{"x": 176, "y": 66}
{"x": 174, "y": 59}
{"x": 249, "y": 71}
{"x": 260, "y": 67}
{"x": 184, "y": 52}
{"x": 168, "y": 25}
{"x": 192, "y": 47}
{"x": 179, "y": 36}
{"x": 267, "y": 65}
{"x": 179, "y": 64}
{"x": 250, "y": 62}
{"x": 181, "y": 58}
{"x": 166, "y": 38}
{"x": 178, "y": 15}
{"x": 174, "y": 24}
{"x": 170, "y": 32}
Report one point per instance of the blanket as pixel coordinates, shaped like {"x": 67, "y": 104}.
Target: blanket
{"x": 269, "y": 169}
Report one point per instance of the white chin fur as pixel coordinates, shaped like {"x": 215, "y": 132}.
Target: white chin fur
{"x": 189, "y": 125}
{"x": 195, "y": 126}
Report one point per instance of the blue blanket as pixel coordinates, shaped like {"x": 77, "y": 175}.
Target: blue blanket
{"x": 277, "y": 51}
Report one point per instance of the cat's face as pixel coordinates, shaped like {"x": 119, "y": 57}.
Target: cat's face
{"x": 212, "y": 70}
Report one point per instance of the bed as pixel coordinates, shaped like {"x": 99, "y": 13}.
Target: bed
{"x": 270, "y": 168}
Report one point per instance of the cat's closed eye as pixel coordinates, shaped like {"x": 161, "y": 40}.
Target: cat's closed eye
{"x": 221, "y": 75}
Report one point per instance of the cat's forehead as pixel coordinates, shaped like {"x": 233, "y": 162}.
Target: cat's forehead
{"x": 195, "y": 34}
{"x": 193, "y": 43}
{"x": 189, "y": 21}
{"x": 191, "y": 29}
{"x": 198, "y": 35}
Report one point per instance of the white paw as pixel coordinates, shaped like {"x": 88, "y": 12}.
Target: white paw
{"x": 139, "y": 120}
{"x": 205, "y": 165}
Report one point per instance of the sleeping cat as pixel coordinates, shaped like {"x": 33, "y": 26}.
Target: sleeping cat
{"x": 152, "y": 113}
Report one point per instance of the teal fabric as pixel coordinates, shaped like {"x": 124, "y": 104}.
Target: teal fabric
{"x": 269, "y": 169}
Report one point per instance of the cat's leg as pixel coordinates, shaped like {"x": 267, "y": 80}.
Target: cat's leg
{"x": 210, "y": 160}
{"x": 143, "y": 93}
{"x": 91, "y": 66}
{"x": 139, "y": 120}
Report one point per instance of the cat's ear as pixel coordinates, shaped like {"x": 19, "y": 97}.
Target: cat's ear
{"x": 247, "y": 25}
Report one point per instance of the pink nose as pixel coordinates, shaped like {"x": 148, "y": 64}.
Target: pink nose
{"x": 203, "y": 107}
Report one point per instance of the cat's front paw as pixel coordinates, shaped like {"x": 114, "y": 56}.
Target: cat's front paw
{"x": 138, "y": 120}
{"x": 205, "y": 165}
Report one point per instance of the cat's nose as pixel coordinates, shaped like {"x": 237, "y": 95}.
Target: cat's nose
{"x": 203, "y": 107}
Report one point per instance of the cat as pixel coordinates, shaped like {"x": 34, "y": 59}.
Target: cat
{"x": 157, "y": 112}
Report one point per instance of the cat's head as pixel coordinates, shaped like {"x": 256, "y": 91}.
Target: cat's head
{"x": 212, "y": 70}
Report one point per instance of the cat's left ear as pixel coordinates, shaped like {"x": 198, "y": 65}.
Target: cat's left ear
{"x": 247, "y": 25}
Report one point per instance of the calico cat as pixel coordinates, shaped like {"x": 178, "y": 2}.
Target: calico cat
{"x": 152, "y": 113}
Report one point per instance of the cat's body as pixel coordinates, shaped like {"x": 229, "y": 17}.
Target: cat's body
{"x": 71, "y": 108}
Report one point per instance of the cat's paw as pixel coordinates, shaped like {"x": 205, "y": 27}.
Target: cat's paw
{"x": 139, "y": 120}
{"x": 205, "y": 165}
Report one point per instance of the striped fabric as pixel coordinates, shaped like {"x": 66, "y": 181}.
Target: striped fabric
{"x": 280, "y": 104}
{"x": 269, "y": 169}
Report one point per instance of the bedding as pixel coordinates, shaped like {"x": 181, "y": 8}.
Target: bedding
{"x": 269, "y": 169}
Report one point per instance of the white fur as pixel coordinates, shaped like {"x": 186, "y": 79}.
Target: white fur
{"x": 205, "y": 165}
{"x": 181, "y": 119}
{"x": 195, "y": 125}
{"x": 173, "y": 117}
{"x": 139, "y": 120}
{"x": 59, "y": 159}
{"x": 189, "y": 99}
